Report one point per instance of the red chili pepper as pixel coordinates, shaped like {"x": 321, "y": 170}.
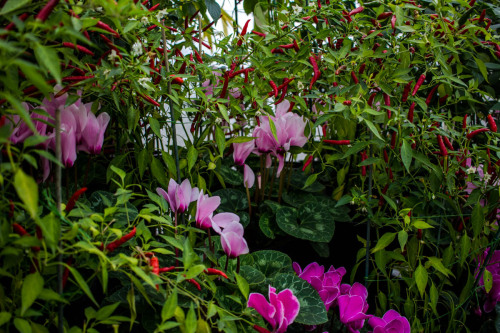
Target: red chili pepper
{"x": 292, "y": 104}
{"x": 354, "y": 78}
{"x": 464, "y": 122}
{"x": 176, "y": 80}
{"x": 224, "y": 87}
{"x": 46, "y": 10}
{"x": 203, "y": 43}
{"x": 74, "y": 198}
{"x": 243, "y": 32}
{"x": 356, "y": 11}
{"x": 472, "y": 2}
{"x": 11, "y": 25}
{"x": 150, "y": 100}
{"x": 283, "y": 94}
{"x": 384, "y": 191}
{"x": 285, "y": 83}
{"x": 448, "y": 143}
{"x": 260, "y": 329}
{"x": 155, "y": 265}
{"x": 198, "y": 56}
{"x": 307, "y": 163}
{"x": 371, "y": 98}
{"x": 296, "y": 46}
{"x": 363, "y": 168}
{"x": 11, "y": 207}
{"x": 117, "y": 243}
{"x": 389, "y": 171}
{"x": 393, "y": 22}
{"x": 19, "y": 229}
{"x": 347, "y": 102}
{"x": 323, "y": 129}
{"x": 375, "y": 46}
{"x": 406, "y": 91}
{"x": 418, "y": 84}
{"x": 362, "y": 69}
{"x": 213, "y": 271}
{"x": 481, "y": 17}
{"x": 274, "y": 88}
{"x": 431, "y": 94}
{"x": 154, "y": 7}
{"x": 386, "y": 156}
{"x": 260, "y": 34}
{"x": 194, "y": 283}
{"x": 287, "y": 46}
{"x": 443, "y": 99}
{"x": 476, "y": 132}
{"x": 76, "y": 78}
{"x": 393, "y": 140}
{"x": 69, "y": 262}
{"x": 442, "y": 147}
{"x": 317, "y": 73}
{"x": 106, "y": 27}
{"x": 337, "y": 142}
{"x": 410, "y": 112}
{"x": 384, "y": 15}
{"x": 166, "y": 269}
{"x": 492, "y": 123}
{"x": 77, "y": 47}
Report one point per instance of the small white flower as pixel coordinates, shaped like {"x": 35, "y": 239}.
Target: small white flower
{"x": 297, "y": 10}
{"x": 132, "y": 19}
{"x": 218, "y": 120}
{"x": 284, "y": 12}
{"x": 143, "y": 81}
{"x": 98, "y": 9}
{"x": 364, "y": 210}
{"x": 487, "y": 178}
{"x": 144, "y": 20}
{"x": 137, "y": 49}
{"x": 300, "y": 85}
{"x": 106, "y": 72}
{"x": 471, "y": 170}
{"x": 433, "y": 197}
{"x": 258, "y": 113}
{"x": 161, "y": 14}
{"x": 112, "y": 56}
{"x": 352, "y": 202}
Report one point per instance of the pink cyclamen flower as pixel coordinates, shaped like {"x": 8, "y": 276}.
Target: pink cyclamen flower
{"x": 242, "y": 150}
{"x": 280, "y": 311}
{"x": 93, "y": 133}
{"x": 232, "y": 240}
{"x": 248, "y": 176}
{"x": 205, "y": 208}
{"x": 179, "y": 196}
{"x": 223, "y": 220}
{"x": 327, "y": 284}
{"x": 391, "y": 322}
{"x": 493, "y": 296}
{"x": 353, "y": 306}
{"x": 289, "y": 132}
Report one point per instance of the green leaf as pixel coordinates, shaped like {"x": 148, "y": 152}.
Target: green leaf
{"x": 13, "y": 5}
{"x": 27, "y": 189}
{"x": 223, "y": 111}
{"x": 271, "y": 262}
{"x": 252, "y": 275}
{"x": 170, "y": 162}
{"x": 384, "y": 241}
{"x": 488, "y": 280}
{"x": 421, "y": 278}
{"x": 5, "y": 317}
{"x": 311, "y": 179}
{"x": 312, "y": 309}
{"x": 438, "y": 265}
{"x": 34, "y": 140}
{"x": 142, "y": 161}
{"x": 155, "y": 126}
{"x": 249, "y": 5}
{"x": 231, "y": 200}
{"x": 213, "y": 9}
{"x": 81, "y": 283}
{"x": 406, "y": 154}
{"x": 273, "y": 128}
{"x": 419, "y": 224}
{"x": 191, "y": 322}
{"x": 51, "y": 228}
{"x": 434, "y": 296}
{"x": 168, "y": 309}
{"x": 265, "y": 225}
{"x": 372, "y": 128}
{"x": 402, "y": 238}
{"x": 22, "y": 325}
{"x": 48, "y": 58}
{"x": 194, "y": 271}
{"x": 465, "y": 245}
{"x": 192, "y": 156}
{"x": 482, "y": 68}
{"x": 33, "y": 74}
{"x": 122, "y": 174}
{"x": 242, "y": 285}
{"x": 316, "y": 223}
{"x": 159, "y": 172}
{"x": 220, "y": 139}
{"x": 32, "y": 287}
{"x": 477, "y": 220}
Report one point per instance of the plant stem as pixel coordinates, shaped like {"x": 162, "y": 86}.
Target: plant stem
{"x": 280, "y": 192}
{"x": 238, "y": 265}
{"x": 60, "y": 267}
{"x": 249, "y": 203}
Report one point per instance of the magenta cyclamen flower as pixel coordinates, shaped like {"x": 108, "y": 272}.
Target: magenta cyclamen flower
{"x": 280, "y": 311}
{"x": 289, "y": 132}
{"x": 327, "y": 284}
{"x": 232, "y": 240}
{"x": 205, "y": 208}
{"x": 353, "y": 306}
{"x": 493, "y": 296}
{"x": 248, "y": 176}
{"x": 179, "y": 196}
{"x": 242, "y": 150}
{"x": 391, "y": 322}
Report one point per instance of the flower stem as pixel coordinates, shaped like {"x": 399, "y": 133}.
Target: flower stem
{"x": 249, "y": 203}
{"x": 280, "y": 192}
{"x": 227, "y": 263}
{"x": 238, "y": 265}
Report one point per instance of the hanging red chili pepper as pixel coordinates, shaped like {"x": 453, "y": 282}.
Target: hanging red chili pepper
{"x": 274, "y": 88}
{"x": 476, "y": 132}
{"x": 410, "y": 112}
{"x": 323, "y": 129}
{"x": 442, "y": 147}
{"x": 260, "y": 34}
{"x": 194, "y": 283}
{"x": 371, "y": 98}
{"x": 283, "y": 94}
{"x": 224, "y": 86}
{"x": 317, "y": 73}
{"x": 307, "y": 163}
{"x": 448, "y": 143}
{"x": 74, "y": 198}
{"x": 386, "y": 157}
{"x": 106, "y": 27}
{"x": 393, "y": 140}
{"x": 464, "y": 122}
{"x": 443, "y": 99}
{"x": 166, "y": 269}
{"x": 356, "y": 11}
{"x": 150, "y": 100}
{"x": 492, "y": 123}
{"x": 361, "y": 69}
{"x": 406, "y": 91}
{"x": 363, "y": 167}
{"x": 213, "y": 271}
{"x": 117, "y": 243}
{"x": 418, "y": 84}
{"x": 77, "y": 47}
{"x": 354, "y": 77}
{"x": 384, "y": 15}
{"x": 393, "y": 22}
{"x": 46, "y": 10}
{"x": 155, "y": 265}
{"x": 198, "y": 56}
{"x": 243, "y": 32}
{"x": 481, "y": 17}
{"x": 337, "y": 142}
{"x": 431, "y": 94}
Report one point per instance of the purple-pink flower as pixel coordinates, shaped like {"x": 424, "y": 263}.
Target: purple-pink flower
{"x": 242, "y": 150}
{"x": 179, "y": 196}
{"x": 391, "y": 322}
{"x": 493, "y": 296}
{"x": 327, "y": 284}
{"x": 205, "y": 208}
{"x": 353, "y": 306}
{"x": 248, "y": 176}
{"x": 289, "y": 132}
{"x": 280, "y": 311}
{"x": 232, "y": 240}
